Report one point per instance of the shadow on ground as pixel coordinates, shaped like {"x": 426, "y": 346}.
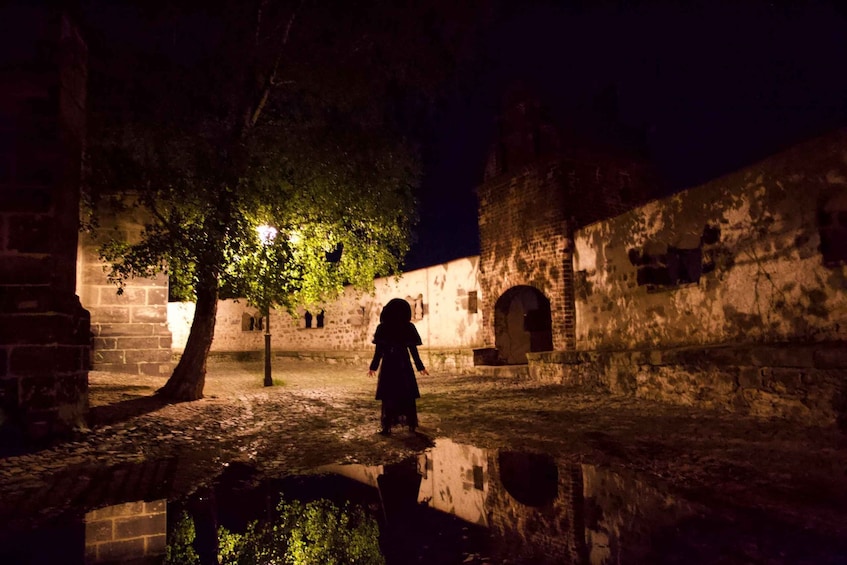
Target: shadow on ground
{"x": 124, "y": 410}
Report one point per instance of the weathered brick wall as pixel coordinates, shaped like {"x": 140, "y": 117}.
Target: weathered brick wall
{"x": 130, "y": 330}
{"x": 552, "y": 530}
{"x": 540, "y": 184}
{"x": 756, "y": 236}
{"x": 133, "y": 532}
{"x": 526, "y": 222}
{"x": 44, "y": 332}
{"x": 448, "y": 326}
{"x": 523, "y": 241}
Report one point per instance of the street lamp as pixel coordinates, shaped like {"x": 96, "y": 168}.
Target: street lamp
{"x": 267, "y": 234}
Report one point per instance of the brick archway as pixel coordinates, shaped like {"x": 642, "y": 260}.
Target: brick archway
{"x": 522, "y": 323}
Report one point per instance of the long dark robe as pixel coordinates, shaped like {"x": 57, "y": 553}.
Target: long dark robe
{"x": 397, "y": 386}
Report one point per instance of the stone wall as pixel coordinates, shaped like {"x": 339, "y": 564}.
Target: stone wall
{"x": 541, "y": 183}
{"x": 133, "y": 532}
{"x": 523, "y": 242}
{"x": 44, "y": 332}
{"x": 753, "y": 243}
{"x": 130, "y": 329}
{"x": 443, "y": 296}
{"x": 729, "y": 295}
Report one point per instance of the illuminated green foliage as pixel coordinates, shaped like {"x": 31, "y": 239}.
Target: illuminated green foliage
{"x": 295, "y": 114}
{"x": 180, "y": 549}
{"x": 314, "y": 533}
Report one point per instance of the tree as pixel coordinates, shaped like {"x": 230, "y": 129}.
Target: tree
{"x": 293, "y": 114}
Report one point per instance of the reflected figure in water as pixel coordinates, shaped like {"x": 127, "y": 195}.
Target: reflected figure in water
{"x": 395, "y": 338}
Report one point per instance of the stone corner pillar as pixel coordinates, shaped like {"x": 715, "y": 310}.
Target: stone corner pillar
{"x": 44, "y": 331}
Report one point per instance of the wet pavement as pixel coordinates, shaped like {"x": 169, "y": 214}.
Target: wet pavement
{"x": 502, "y": 471}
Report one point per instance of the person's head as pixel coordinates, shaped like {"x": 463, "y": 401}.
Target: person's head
{"x": 397, "y": 311}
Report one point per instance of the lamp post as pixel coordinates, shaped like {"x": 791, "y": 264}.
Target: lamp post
{"x": 267, "y": 234}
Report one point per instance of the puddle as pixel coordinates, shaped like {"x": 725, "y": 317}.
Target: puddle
{"x": 452, "y": 503}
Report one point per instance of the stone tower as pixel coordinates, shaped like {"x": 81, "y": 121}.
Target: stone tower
{"x": 541, "y": 183}
{"x": 44, "y": 331}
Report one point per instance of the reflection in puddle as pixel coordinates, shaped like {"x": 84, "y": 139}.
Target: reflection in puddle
{"x": 128, "y": 532}
{"x": 452, "y": 503}
{"x": 534, "y": 509}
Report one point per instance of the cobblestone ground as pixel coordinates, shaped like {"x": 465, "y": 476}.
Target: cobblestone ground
{"x": 320, "y": 414}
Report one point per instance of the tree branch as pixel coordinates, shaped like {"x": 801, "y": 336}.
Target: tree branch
{"x": 251, "y": 118}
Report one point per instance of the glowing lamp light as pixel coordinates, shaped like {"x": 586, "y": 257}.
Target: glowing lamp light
{"x": 267, "y": 234}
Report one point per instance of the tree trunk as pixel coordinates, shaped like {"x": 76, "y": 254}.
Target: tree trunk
{"x": 189, "y": 377}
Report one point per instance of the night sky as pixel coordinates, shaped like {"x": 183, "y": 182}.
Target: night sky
{"x": 713, "y": 86}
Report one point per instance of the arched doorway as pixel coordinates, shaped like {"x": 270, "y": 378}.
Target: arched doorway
{"x": 522, "y": 323}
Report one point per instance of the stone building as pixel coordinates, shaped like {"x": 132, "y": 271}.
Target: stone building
{"x": 44, "y": 331}
{"x": 129, "y": 330}
{"x": 539, "y": 187}
{"x": 728, "y": 295}
{"x": 445, "y": 303}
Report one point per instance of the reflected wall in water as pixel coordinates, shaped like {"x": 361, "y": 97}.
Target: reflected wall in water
{"x": 131, "y": 532}
{"x": 455, "y": 480}
{"x": 537, "y": 509}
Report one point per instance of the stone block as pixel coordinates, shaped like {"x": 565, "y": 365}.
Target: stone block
{"x": 485, "y": 356}
{"x": 109, "y": 296}
{"x": 98, "y": 531}
{"x": 72, "y": 390}
{"x": 122, "y": 551}
{"x": 148, "y": 356}
{"x": 37, "y": 393}
{"x": 109, "y": 314}
{"x": 655, "y": 357}
{"x": 155, "y": 369}
{"x": 156, "y": 545}
{"x": 149, "y": 314}
{"x": 125, "y": 509}
{"x": 30, "y": 234}
{"x": 118, "y": 368}
{"x": 782, "y": 356}
{"x": 89, "y": 295}
{"x": 155, "y": 506}
{"x": 25, "y": 298}
{"x": 116, "y": 330}
{"x": 157, "y": 297}
{"x": 109, "y": 356}
{"x": 137, "y": 526}
{"x": 137, "y": 342}
{"x": 94, "y": 274}
{"x": 26, "y": 270}
{"x": 29, "y": 199}
{"x": 38, "y": 328}
{"x": 750, "y": 377}
{"x": 101, "y": 343}
{"x": 831, "y": 356}
{"x": 783, "y": 380}
{"x": 41, "y": 359}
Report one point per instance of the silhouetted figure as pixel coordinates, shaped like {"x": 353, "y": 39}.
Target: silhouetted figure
{"x": 395, "y": 338}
